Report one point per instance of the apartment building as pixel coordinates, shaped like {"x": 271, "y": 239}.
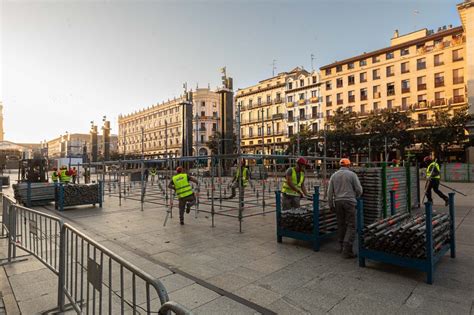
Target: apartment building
{"x": 158, "y": 129}
{"x": 420, "y": 71}
{"x": 275, "y": 108}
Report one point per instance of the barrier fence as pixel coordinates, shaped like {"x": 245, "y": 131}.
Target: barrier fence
{"x": 91, "y": 278}
{"x": 457, "y": 172}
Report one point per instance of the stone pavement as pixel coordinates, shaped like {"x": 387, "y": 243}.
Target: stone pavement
{"x": 219, "y": 270}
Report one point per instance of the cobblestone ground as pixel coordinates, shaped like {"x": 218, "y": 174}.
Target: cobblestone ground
{"x": 217, "y": 270}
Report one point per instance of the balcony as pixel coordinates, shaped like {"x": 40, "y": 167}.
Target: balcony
{"x": 390, "y": 74}
{"x": 329, "y": 103}
{"x": 315, "y": 116}
{"x": 377, "y": 95}
{"x": 339, "y": 102}
{"x": 351, "y": 98}
{"x": 290, "y": 104}
{"x": 363, "y": 80}
{"x": 405, "y": 90}
{"x": 339, "y": 85}
{"x": 278, "y": 100}
{"x": 277, "y": 116}
{"x": 439, "y": 82}
{"x": 439, "y": 102}
{"x": 301, "y": 102}
{"x": 458, "y": 80}
{"x": 376, "y": 77}
{"x": 291, "y": 119}
{"x": 390, "y": 92}
{"x": 405, "y": 70}
{"x": 363, "y": 97}
{"x": 421, "y": 65}
{"x": 458, "y": 99}
{"x": 438, "y": 63}
{"x": 421, "y": 87}
{"x": 314, "y": 99}
{"x": 457, "y": 58}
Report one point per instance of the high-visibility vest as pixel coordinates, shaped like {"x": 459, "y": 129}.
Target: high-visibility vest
{"x": 433, "y": 168}
{"x": 286, "y": 189}
{"x": 54, "y": 176}
{"x": 153, "y": 171}
{"x": 182, "y": 186}
{"x": 245, "y": 178}
{"x": 64, "y": 177}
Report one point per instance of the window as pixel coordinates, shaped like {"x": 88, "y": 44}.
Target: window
{"x": 404, "y": 51}
{"x": 203, "y": 127}
{"x": 421, "y": 82}
{"x": 315, "y": 79}
{"x": 363, "y": 63}
{"x": 362, "y": 108}
{"x": 457, "y": 55}
{"x": 314, "y": 126}
{"x": 439, "y": 79}
{"x": 290, "y": 85}
{"x": 390, "y": 104}
{"x": 405, "y": 67}
{"x": 302, "y": 115}
{"x": 290, "y": 131}
{"x": 339, "y": 83}
{"x": 259, "y": 101}
{"x": 203, "y": 113}
{"x": 363, "y": 94}
{"x": 214, "y": 127}
{"x": 422, "y": 118}
{"x": 202, "y": 139}
{"x": 363, "y": 77}
{"x": 389, "y": 71}
{"x": 438, "y": 60}
{"x": 458, "y": 76}
{"x": 339, "y": 98}
{"x": 439, "y": 98}
{"x": 269, "y": 130}
{"x": 301, "y": 82}
{"x": 389, "y": 55}
{"x": 269, "y": 99}
{"x": 422, "y": 100}
{"x": 259, "y": 131}
{"x": 328, "y": 113}
{"x": 350, "y": 65}
{"x": 351, "y": 96}
{"x": 458, "y": 96}
{"x": 250, "y": 103}
{"x": 278, "y": 97}
{"x": 339, "y": 68}
{"x": 376, "y": 91}
{"x": 421, "y": 64}
{"x": 376, "y": 105}
{"x": 405, "y": 86}
{"x": 375, "y": 59}
{"x": 290, "y": 115}
{"x": 375, "y": 74}
{"x": 351, "y": 80}
{"x": 314, "y": 112}
{"x": 314, "y": 93}
{"x": 328, "y": 85}
{"x": 301, "y": 96}
{"x": 328, "y": 71}
{"x": 203, "y": 103}
{"x": 328, "y": 100}
{"x": 290, "y": 98}
{"x": 390, "y": 89}
{"x": 405, "y": 103}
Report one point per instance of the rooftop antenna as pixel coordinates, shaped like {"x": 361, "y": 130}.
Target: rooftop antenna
{"x": 312, "y": 60}
{"x": 273, "y": 67}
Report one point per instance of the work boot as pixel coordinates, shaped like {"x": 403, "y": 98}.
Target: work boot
{"x": 446, "y": 202}
{"x": 188, "y": 208}
{"x": 181, "y": 221}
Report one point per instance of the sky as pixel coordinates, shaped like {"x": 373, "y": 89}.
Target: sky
{"x": 66, "y": 63}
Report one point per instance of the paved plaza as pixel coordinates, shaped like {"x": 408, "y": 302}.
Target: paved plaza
{"x": 217, "y": 270}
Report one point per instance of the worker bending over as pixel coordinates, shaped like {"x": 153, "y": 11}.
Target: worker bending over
{"x": 64, "y": 175}
{"x": 180, "y": 184}
{"x": 55, "y": 175}
{"x": 238, "y": 177}
{"x": 343, "y": 191}
{"x": 293, "y": 186}
{"x": 433, "y": 176}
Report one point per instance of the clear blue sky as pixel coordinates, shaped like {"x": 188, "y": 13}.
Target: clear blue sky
{"x": 65, "y": 63}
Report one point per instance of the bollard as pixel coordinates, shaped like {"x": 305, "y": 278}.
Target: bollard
{"x": 452, "y": 225}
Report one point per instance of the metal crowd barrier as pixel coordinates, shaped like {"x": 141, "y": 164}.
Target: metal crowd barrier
{"x": 90, "y": 277}
{"x": 6, "y": 202}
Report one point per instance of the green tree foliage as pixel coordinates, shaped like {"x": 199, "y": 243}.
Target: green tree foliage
{"x": 216, "y": 138}
{"x": 307, "y": 141}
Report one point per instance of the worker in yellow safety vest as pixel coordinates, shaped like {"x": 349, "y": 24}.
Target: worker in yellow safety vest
{"x": 293, "y": 186}
{"x": 153, "y": 174}
{"x": 180, "y": 183}
{"x": 433, "y": 176}
{"x": 239, "y": 180}
{"x": 55, "y": 175}
{"x": 64, "y": 175}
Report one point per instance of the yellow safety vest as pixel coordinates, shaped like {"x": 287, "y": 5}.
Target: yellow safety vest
{"x": 286, "y": 189}
{"x": 153, "y": 171}
{"x": 429, "y": 171}
{"x": 245, "y": 178}
{"x": 182, "y": 186}
{"x": 64, "y": 177}
{"x": 54, "y": 176}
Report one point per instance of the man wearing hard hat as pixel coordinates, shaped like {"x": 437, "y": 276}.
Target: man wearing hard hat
{"x": 343, "y": 191}
{"x": 293, "y": 186}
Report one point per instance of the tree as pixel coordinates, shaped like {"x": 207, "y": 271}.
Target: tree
{"x": 216, "y": 139}
{"x": 444, "y": 130}
{"x": 307, "y": 141}
{"x": 390, "y": 125}
{"x": 342, "y": 133}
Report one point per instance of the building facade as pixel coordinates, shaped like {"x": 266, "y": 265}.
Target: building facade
{"x": 276, "y": 108}
{"x": 157, "y": 130}
{"x": 72, "y": 145}
{"x": 418, "y": 73}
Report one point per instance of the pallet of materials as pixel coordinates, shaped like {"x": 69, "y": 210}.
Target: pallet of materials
{"x": 310, "y": 223}
{"x": 413, "y": 241}
{"x": 77, "y": 195}
{"x": 34, "y": 194}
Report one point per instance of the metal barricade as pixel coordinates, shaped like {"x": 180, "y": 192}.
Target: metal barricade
{"x": 37, "y": 233}
{"x": 6, "y": 203}
{"x": 94, "y": 279}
